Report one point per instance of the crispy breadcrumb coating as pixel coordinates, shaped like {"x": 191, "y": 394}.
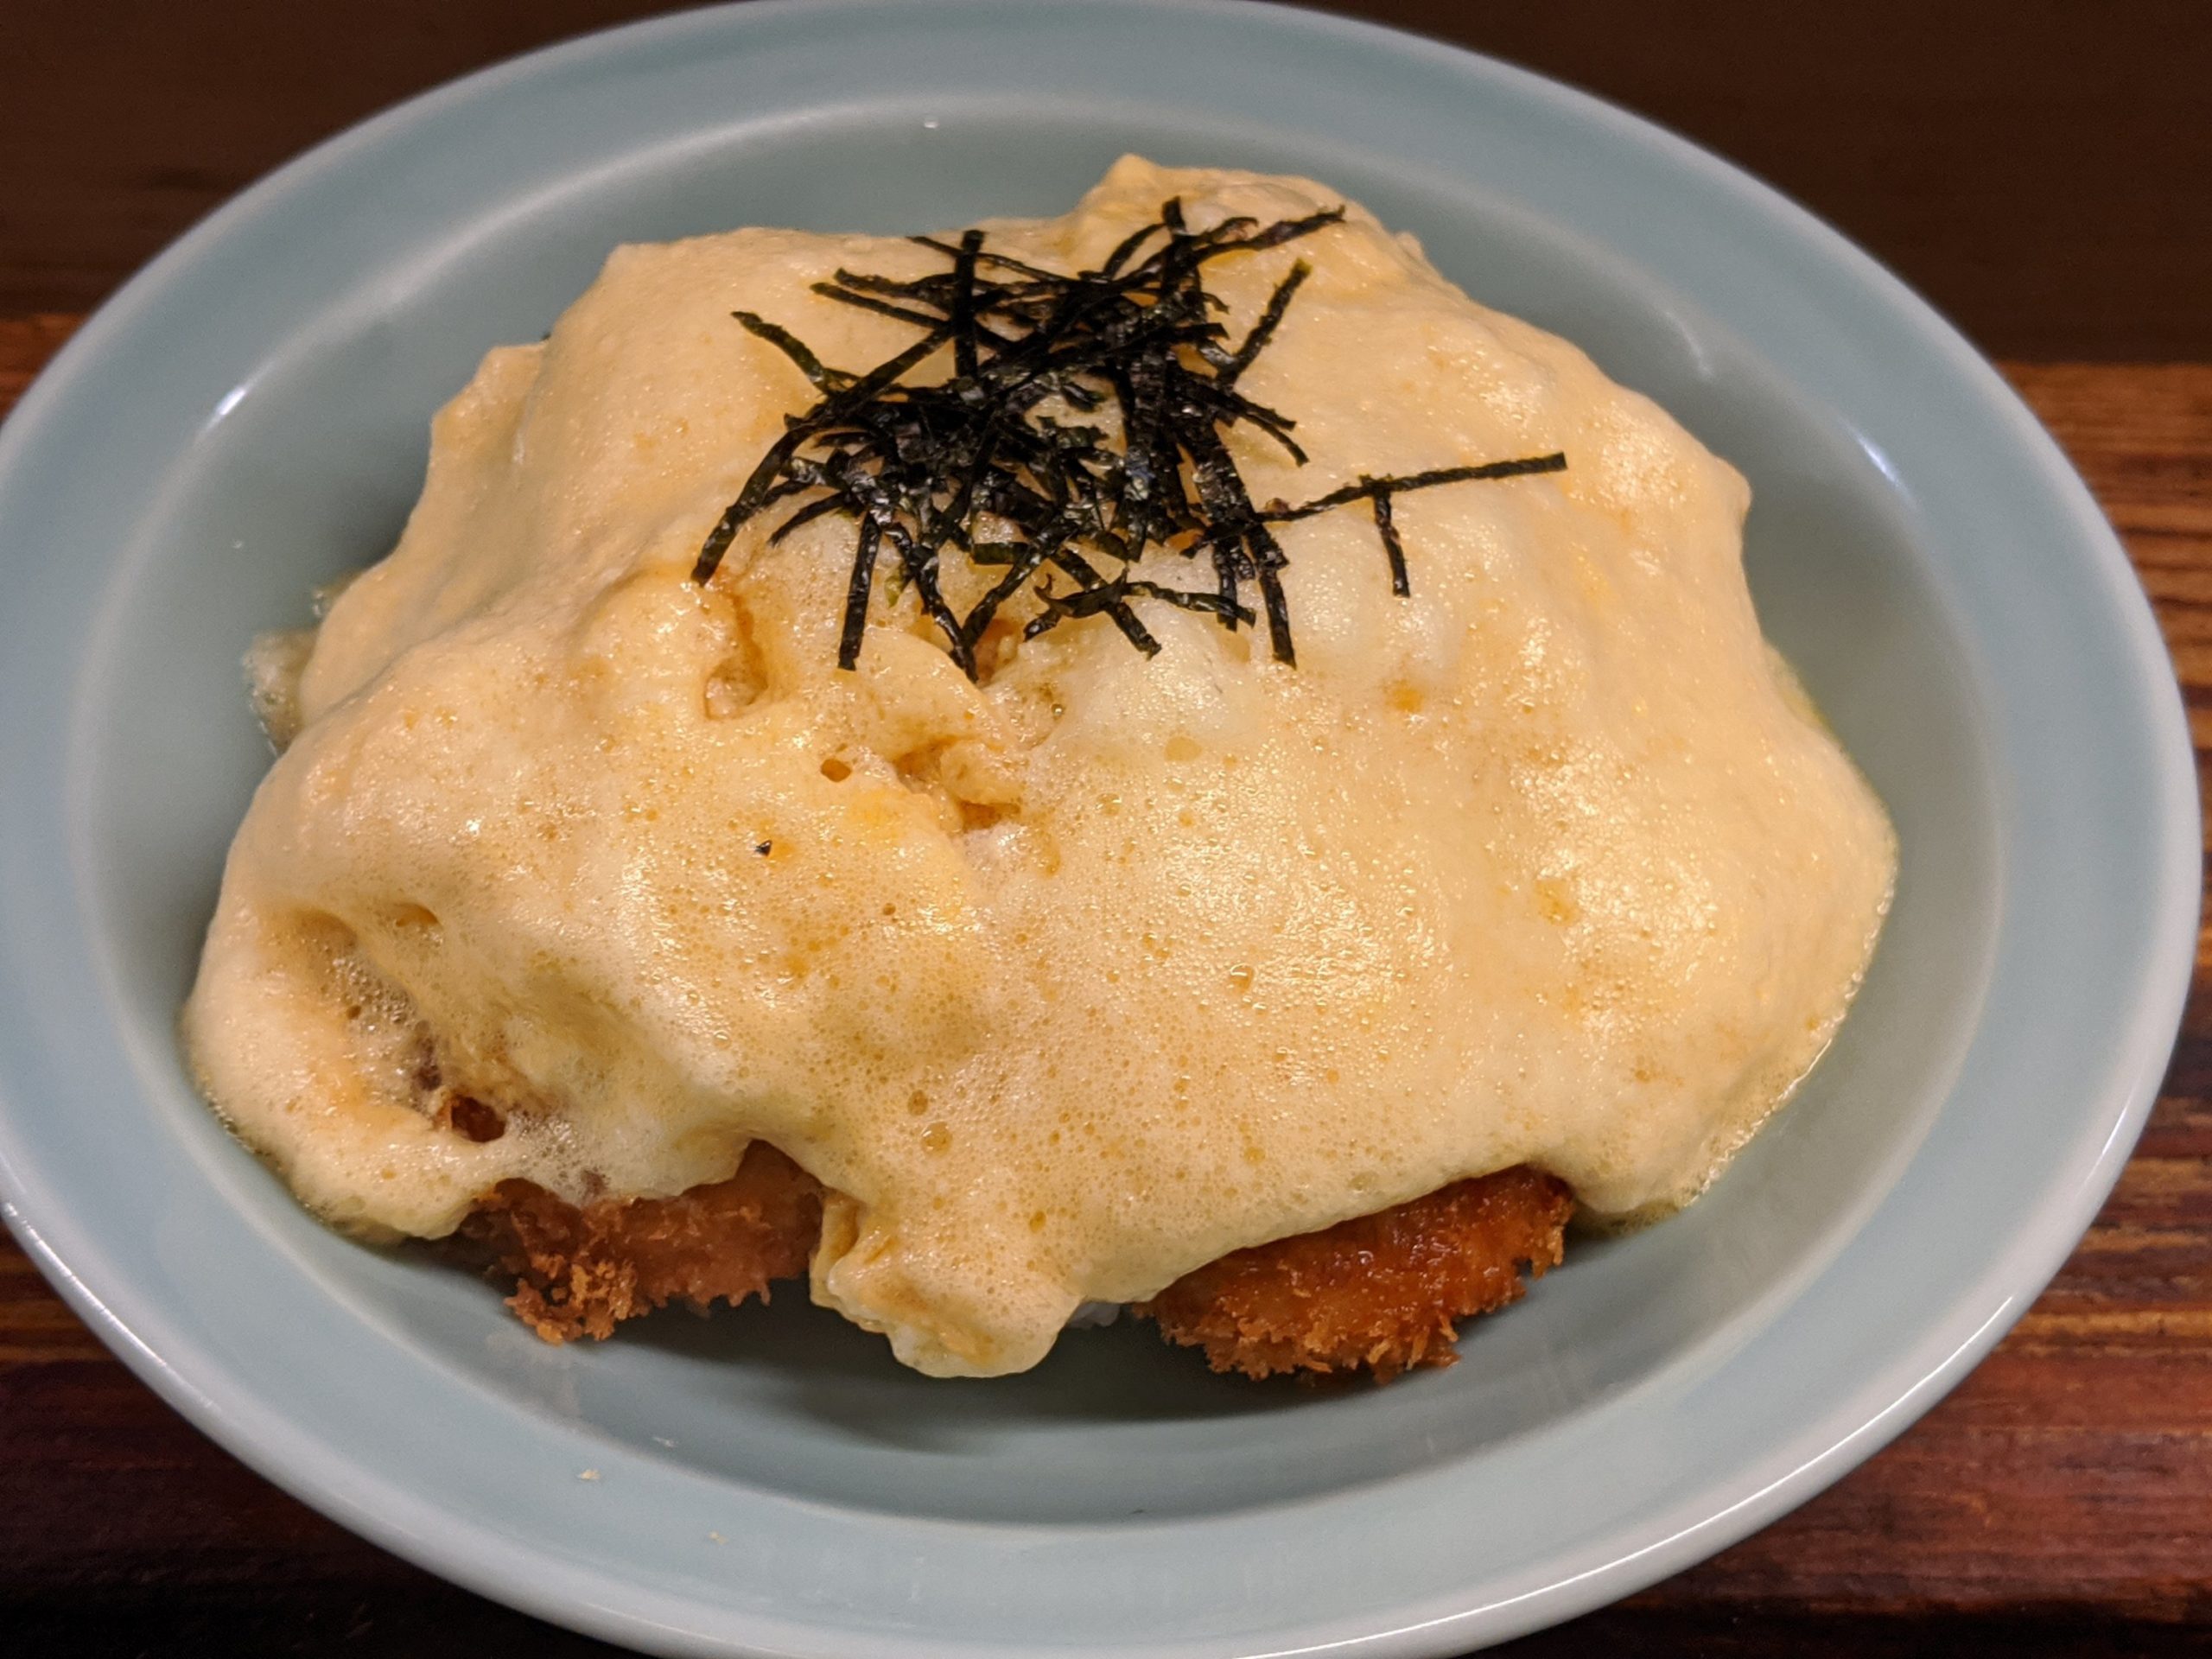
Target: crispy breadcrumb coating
{"x": 1383, "y": 1293}
{"x": 578, "y": 1272}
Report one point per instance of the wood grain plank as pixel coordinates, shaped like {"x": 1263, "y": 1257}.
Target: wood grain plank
{"x": 2059, "y": 1500}
{"x": 2036, "y": 167}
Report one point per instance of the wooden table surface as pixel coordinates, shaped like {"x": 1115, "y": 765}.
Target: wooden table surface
{"x": 2038, "y": 167}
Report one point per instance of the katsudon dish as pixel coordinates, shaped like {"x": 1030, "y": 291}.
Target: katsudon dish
{"x": 1162, "y": 758}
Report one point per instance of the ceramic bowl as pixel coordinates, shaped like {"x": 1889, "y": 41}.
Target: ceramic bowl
{"x": 248, "y": 418}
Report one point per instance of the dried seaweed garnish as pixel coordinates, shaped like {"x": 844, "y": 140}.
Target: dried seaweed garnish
{"x": 924, "y": 468}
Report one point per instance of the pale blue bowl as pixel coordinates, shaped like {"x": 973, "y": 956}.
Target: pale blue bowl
{"x": 248, "y": 418}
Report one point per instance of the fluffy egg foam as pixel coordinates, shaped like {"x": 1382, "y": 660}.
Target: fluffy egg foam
{"x": 1071, "y": 981}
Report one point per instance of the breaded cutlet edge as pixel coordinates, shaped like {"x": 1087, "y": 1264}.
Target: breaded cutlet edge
{"x": 1383, "y": 1294}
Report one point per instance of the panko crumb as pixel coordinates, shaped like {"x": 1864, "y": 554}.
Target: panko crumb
{"x": 580, "y": 1272}
{"x": 1383, "y": 1294}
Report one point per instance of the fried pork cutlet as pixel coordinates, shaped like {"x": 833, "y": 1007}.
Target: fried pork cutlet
{"x": 578, "y": 1272}
{"x": 1383, "y": 1291}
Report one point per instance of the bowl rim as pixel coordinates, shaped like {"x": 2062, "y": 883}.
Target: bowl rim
{"x": 198, "y": 1386}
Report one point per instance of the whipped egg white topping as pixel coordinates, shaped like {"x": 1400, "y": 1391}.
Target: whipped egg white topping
{"x": 1071, "y": 979}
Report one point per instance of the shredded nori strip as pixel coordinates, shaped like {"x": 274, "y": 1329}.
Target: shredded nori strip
{"x": 919, "y": 467}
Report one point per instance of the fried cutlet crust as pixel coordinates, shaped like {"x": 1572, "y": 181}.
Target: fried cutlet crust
{"x": 1383, "y": 1293}
{"x": 577, "y": 1271}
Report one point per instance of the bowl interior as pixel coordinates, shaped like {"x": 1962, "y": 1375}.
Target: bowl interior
{"x": 307, "y": 468}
